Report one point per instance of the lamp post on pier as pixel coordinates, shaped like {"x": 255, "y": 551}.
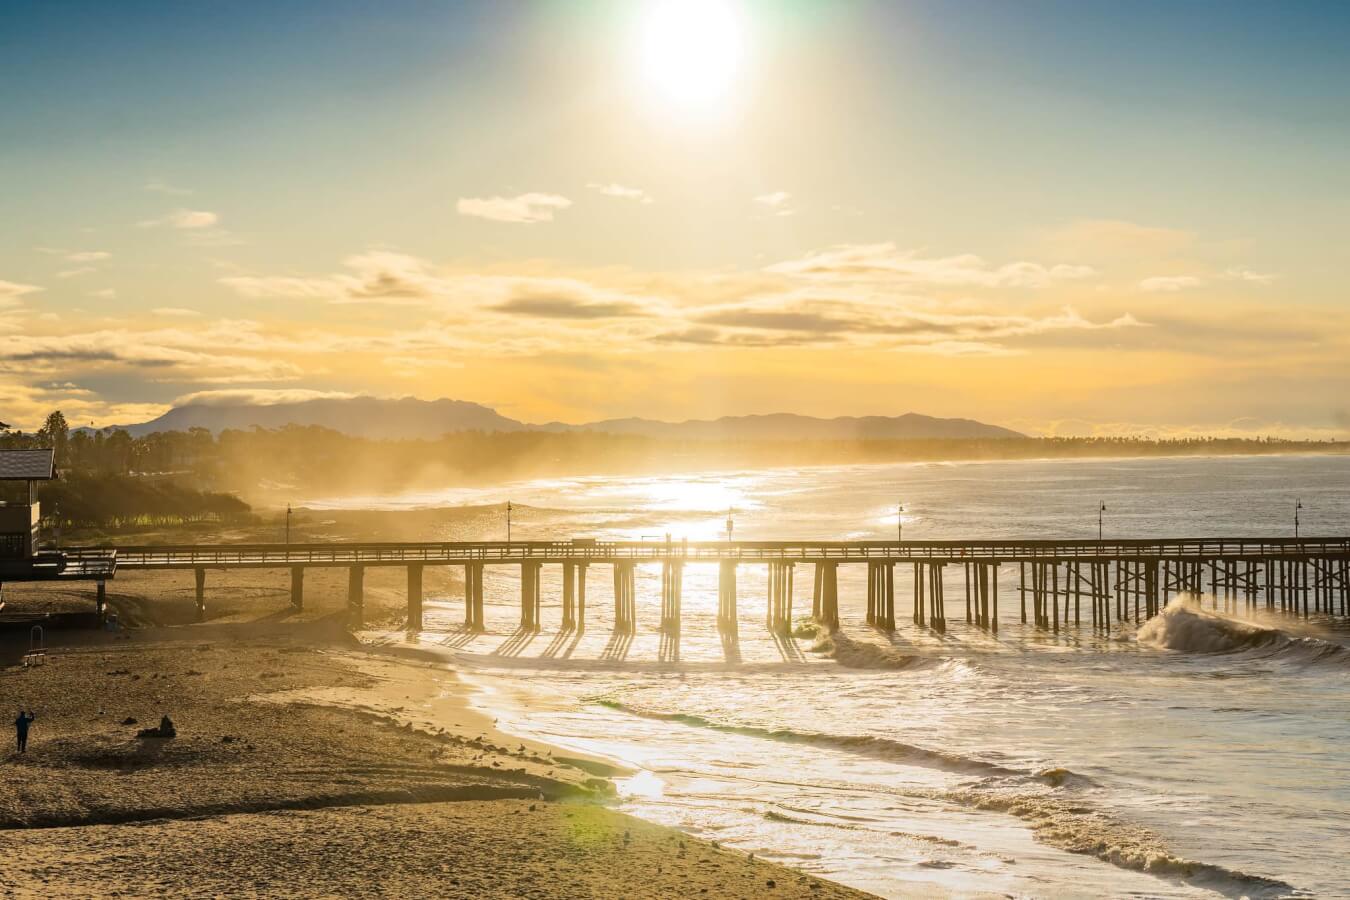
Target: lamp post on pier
{"x": 288, "y": 524}
{"x": 900, "y": 523}
{"x": 1101, "y": 508}
{"x": 1298, "y": 505}
{"x": 731, "y": 526}
{"x": 508, "y": 521}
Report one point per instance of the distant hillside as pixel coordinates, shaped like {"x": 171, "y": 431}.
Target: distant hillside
{"x": 359, "y": 416}
{"x": 408, "y": 418}
{"x": 789, "y": 427}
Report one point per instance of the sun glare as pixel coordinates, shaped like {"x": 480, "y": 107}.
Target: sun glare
{"x": 691, "y": 50}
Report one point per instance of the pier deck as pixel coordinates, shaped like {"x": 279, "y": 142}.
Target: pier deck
{"x": 1055, "y": 580}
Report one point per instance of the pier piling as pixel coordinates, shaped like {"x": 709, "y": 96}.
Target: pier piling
{"x": 356, "y": 596}
{"x": 726, "y": 598}
{"x": 414, "y": 598}
{"x": 297, "y": 587}
{"x": 199, "y": 577}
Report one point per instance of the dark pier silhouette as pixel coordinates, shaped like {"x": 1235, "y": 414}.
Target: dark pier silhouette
{"x": 1059, "y": 584}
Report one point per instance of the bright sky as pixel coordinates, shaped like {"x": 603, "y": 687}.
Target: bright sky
{"x": 1065, "y": 217}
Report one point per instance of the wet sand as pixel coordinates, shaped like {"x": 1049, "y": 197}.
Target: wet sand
{"x": 305, "y": 765}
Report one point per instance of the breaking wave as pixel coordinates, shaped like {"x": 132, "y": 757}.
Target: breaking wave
{"x": 1184, "y": 627}
{"x": 1078, "y": 829}
{"x": 859, "y": 655}
{"x": 867, "y": 745}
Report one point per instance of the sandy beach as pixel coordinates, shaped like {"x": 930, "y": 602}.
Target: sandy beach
{"x": 305, "y": 765}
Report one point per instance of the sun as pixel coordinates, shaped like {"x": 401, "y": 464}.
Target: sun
{"x": 690, "y": 51}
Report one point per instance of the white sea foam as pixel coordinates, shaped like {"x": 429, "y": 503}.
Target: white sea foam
{"x": 1184, "y": 626}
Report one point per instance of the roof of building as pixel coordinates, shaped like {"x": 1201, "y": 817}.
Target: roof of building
{"x": 27, "y": 465}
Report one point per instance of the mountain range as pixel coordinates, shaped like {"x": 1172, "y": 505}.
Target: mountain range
{"x": 408, "y": 418}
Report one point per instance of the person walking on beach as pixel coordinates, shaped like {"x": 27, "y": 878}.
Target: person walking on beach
{"x": 21, "y": 729}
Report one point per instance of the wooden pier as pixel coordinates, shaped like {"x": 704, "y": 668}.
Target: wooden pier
{"x": 1059, "y": 584}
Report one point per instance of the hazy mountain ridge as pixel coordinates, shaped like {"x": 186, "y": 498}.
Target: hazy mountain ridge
{"x": 789, "y": 426}
{"x": 369, "y": 417}
{"x": 409, "y": 418}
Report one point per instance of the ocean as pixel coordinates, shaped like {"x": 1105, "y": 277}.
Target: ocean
{"x": 1206, "y": 753}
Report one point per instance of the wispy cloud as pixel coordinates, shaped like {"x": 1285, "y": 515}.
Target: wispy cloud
{"x": 621, "y": 192}
{"x": 27, "y": 405}
{"x": 177, "y": 312}
{"x": 188, "y": 219}
{"x": 884, "y": 262}
{"x": 1249, "y": 276}
{"x": 11, "y": 292}
{"x": 1170, "y": 284}
{"x": 160, "y": 186}
{"x": 526, "y": 209}
{"x": 257, "y": 397}
{"x": 606, "y": 310}
{"x": 88, "y": 256}
{"x": 1114, "y": 239}
{"x": 568, "y": 308}
{"x": 72, "y": 273}
{"x": 779, "y": 202}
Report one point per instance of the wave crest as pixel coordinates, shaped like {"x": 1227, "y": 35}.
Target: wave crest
{"x": 1185, "y": 627}
{"x": 876, "y": 747}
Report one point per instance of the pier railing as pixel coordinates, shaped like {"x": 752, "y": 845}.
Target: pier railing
{"x": 189, "y": 556}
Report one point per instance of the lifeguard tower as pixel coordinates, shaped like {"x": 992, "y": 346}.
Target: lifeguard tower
{"x": 21, "y": 556}
{"x": 20, "y": 514}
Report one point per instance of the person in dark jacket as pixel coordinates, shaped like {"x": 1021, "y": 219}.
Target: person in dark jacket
{"x": 21, "y": 729}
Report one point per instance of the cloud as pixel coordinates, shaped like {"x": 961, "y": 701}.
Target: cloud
{"x": 567, "y": 308}
{"x": 1170, "y": 284}
{"x": 160, "y": 186}
{"x": 864, "y": 324}
{"x": 257, "y": 397}
{"x": 623, "y": 193}
{"x": 176, "y": 312}
{"x": 883, "y": 262}
{"x": 377, "y": 276}
{"x": 224, "y": 352}
{"x": 383, "y": 277}
{"x": 104, "y": 294}
{"x": 72, "y": 273}
{"x": 1248, "y": 275}
{"x": 1100, "y": 239}
{"x": 776, "y": 320}
{"x": 88, "y": 256}
{"x": 777, "y": 202}
{"x": 188, "y": 219}
{"x": 27, "y": 405}
{"x": 612, "y": 310}
{"x": 11, "y": 292}
{"x": 524, "y": 209}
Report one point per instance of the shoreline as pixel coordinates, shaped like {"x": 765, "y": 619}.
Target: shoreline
{"x": 292, "y": 742}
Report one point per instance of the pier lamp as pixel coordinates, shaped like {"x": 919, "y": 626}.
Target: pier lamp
{"x": 1101, "y": 508}
{"x": 900, "y": 522}
{"x": 730, "y": 524}
{"x": 508, "y": 521}
{"x": 288, "y": 524}
{"x": 1298, "y": 505}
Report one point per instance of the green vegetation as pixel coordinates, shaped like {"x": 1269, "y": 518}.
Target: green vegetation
{"x": 123, "y": 501}
{"x": 105, "y": 484}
